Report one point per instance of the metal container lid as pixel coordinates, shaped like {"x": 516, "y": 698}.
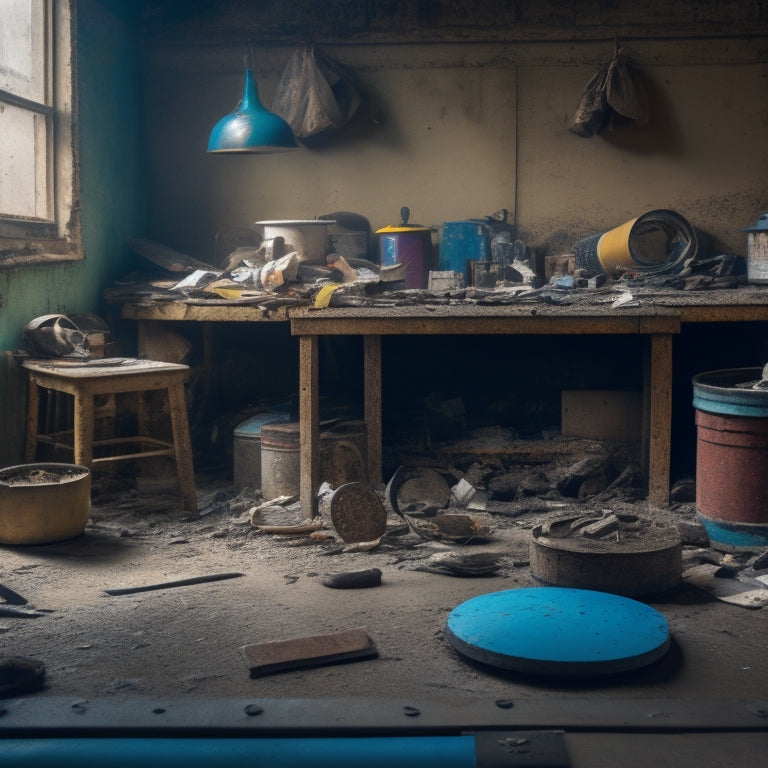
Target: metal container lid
{"x": 281, "y": 434}
{"x": 296, "y": 222}
{"x": 730, "y": 392}
{"x": 389, "y": 229}
{"x": 251, "y": 427}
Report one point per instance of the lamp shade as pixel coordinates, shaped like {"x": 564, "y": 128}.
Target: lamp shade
{"x": 250, "y": 127}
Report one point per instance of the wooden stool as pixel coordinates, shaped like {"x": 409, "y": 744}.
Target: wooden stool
{"x": 85, "y": 380}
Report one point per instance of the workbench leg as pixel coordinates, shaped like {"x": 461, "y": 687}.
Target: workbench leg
{"x": 309, "y": 424}
{"x": 33, "y": 407}
{"x": 372, "y": 390}
{"x": 657, "y": 430}
{"x": 182, "y": 446}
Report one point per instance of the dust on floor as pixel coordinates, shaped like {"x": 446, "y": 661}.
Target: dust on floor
{"x": 186, "y": 641}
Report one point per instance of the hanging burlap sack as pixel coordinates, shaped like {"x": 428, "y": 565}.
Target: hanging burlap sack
{"x": 613, "y": 88}
{"x": 593, "y": 111}
{"x": 315, "y": 95}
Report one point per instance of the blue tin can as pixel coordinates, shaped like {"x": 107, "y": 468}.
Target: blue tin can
{"x": 463, "y": 242}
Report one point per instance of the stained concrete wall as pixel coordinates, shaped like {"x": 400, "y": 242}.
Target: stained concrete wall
{"x": 468, "y": 111}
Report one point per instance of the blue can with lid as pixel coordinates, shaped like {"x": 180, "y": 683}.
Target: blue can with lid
{"x": 463, "y": 242}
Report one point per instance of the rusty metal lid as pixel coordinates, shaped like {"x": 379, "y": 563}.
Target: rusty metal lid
{"x": 281, "y": 434}
{"x": 357, "y": 513}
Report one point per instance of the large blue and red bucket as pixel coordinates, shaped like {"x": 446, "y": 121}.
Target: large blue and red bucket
{"x": 732, "y": 457}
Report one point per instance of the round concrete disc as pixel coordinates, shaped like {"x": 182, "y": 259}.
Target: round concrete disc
{"x": 555, "y": 631}
{"x": 357, "y": 513}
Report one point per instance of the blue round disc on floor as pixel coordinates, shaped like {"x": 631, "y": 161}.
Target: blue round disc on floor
{"x": 553, "y": 630}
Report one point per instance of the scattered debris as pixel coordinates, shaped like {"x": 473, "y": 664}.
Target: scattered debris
{"x": 593, "y": 475}
{"x": 264, "y": 513}
{"x": 683, "y": 490}
{"x": 428, "y": 488}
{"x": 171, "y": 584}
{"x": 625, "y": 299}
{"x": 165, "y": 257}
{"x": 354, "y": 579}
{"x": 280, "y": 271}
{"x": 604, "y": 527}
{"x": 473, "y": 564}
{"x": 463, "y": 492}
{"x": 393, "y": 274}
{"x": 361, "y": 546}
{"x": 317, "y": 537}
{"x": 723, "y": 584}
{"x": 20, "y": 612}
{"x": 11, "y": 597}
{"x": 20, "y": 674}
{"x": 693, "y": 533}
{"x": 315, "y": 650}
{"x": 310, "y": 526}
{"x": 446, "y": 526}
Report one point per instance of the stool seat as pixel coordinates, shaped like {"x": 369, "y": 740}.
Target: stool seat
{"x": 109, "y": 376}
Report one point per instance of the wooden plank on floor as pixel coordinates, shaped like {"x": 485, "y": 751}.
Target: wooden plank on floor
{"x": 315, "y": 650}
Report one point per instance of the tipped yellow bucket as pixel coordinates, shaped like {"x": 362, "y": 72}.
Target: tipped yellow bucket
{"x": 658, "y": 241}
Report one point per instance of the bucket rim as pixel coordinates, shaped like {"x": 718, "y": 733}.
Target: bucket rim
{"x": 711, "y": 394}
{"x": 749, "y": 372}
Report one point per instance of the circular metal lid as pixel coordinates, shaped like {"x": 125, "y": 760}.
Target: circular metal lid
{"x": 358, "y": 513}
{"x": 553, "y": 630}
{"x": 389, "y": 229}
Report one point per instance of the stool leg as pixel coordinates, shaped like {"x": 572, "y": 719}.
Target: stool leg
{"x": 83, "y": 429}
{"x": 33, "y": 407}
{"x": 182, "y": 446}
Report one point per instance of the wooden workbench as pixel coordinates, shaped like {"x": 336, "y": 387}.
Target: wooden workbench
{"x": 658, "y": 319}
{"x": 656, "y": 327}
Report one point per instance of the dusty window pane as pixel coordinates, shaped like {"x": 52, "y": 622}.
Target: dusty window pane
{"x": 22, "y": 163}
{"x": 38, "y": 220}
{"x": 22, "y": 48}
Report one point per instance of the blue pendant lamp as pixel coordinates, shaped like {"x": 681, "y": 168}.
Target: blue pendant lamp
{"x": 250, "y": 127}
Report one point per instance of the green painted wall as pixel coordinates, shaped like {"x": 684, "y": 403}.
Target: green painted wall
{"x": 111, "y": 165}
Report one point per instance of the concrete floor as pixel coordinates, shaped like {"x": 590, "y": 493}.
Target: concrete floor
{"x": 119, "y": 659}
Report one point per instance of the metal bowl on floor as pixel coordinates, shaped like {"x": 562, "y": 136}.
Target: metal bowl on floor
{"x": 43, "y": 503}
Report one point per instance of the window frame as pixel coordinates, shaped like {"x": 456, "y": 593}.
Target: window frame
{"x": 25, "y": 240}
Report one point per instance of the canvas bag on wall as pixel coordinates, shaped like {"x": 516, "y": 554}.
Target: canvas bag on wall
{"x": 315, "y": 95}
{"x": 613, "y": 88}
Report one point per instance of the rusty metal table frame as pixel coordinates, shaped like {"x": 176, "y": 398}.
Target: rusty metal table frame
{"x": 657, "y": 326}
